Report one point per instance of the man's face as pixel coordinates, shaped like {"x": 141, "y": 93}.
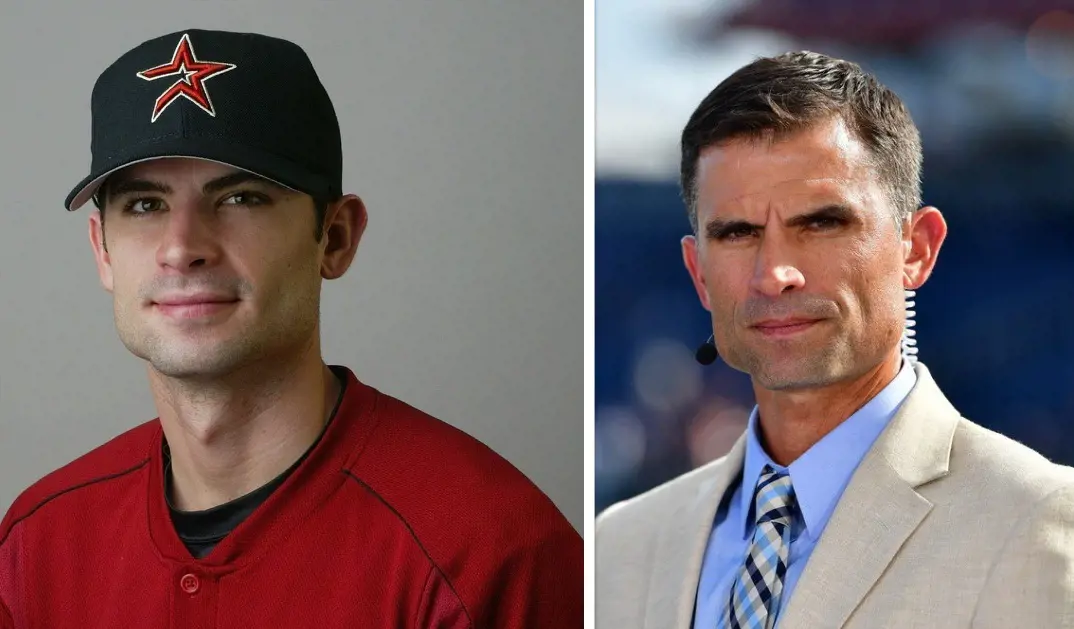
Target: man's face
{"x": 210, "y": 269}
{"x": 798, "y": 258}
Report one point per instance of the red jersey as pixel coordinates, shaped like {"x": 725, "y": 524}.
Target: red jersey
{"x": 394, "y": 519}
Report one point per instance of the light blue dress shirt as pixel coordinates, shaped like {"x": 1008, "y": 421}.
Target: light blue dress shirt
{"x": 819, "y": 477}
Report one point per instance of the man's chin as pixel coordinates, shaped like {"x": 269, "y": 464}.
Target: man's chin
{"x": 192, "y": 368}
{"x": 781, "y": 382}
{"x": 190, "y": 360}
{"x": 793, "y": 374}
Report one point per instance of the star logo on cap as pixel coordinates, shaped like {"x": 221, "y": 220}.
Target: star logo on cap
{"x": 192, "y": 74}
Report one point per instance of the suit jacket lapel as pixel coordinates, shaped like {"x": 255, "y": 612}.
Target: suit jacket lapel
{"x": 869, "y": 526}
{"x": 680, "y": 547}
{"x": 877, "y": 512}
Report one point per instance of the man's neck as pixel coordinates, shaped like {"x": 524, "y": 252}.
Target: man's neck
{"x": 230, "y": 438}
{"x": 791, "y": 422}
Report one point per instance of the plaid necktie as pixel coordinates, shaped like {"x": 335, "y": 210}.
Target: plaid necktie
{"x": 757, "y": 588}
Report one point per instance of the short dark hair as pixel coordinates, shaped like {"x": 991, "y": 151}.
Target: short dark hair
{"x": 777, "y": 96}
{"x": 320, "y": 208}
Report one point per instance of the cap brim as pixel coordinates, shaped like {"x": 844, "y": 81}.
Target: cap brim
{"x": 256, "y": 161}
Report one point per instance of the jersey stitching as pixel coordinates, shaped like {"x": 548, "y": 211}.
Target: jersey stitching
{"x": 68, "y": 490}
{"x": 398, "y": 515}
{"x": 424, "y": 595}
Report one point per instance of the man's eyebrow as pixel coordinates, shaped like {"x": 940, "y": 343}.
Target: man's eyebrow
{"x": 237, "y": 178}
{"x": 835, "y": 211}
{"x": 719, "y": 227}
{"x": 124, "y": 186}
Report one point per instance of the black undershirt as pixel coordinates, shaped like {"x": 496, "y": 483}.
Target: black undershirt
{"x": 201, "y": 531}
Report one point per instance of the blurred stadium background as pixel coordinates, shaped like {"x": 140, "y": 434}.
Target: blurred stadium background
{"x": 991, "y": 87}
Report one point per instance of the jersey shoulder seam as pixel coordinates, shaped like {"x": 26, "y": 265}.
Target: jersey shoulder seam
{"x": 417, "y": 540}
{"x": 66, "y": 490}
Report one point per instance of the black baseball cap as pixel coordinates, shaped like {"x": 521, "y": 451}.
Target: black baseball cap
{"x": 246, "y": 100}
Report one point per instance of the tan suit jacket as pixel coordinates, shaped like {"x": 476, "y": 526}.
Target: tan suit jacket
{"x": 944, "y": 524}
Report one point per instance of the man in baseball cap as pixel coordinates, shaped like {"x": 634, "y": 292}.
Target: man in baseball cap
{"x": 273, "y": 490}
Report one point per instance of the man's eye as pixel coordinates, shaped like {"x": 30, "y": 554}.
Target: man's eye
{"x": 825, "y": 223}
{"x": 244, "y": 198}
{"x": 737, "y": 233}
{"x": 143, "y": 206}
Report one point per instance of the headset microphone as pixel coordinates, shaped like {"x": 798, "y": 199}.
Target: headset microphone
{"x": 706, "y": 354}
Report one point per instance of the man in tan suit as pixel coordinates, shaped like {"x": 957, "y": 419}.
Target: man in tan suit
{"x": 858, "y": 496}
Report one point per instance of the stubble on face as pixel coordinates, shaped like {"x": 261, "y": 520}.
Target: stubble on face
{"x": 270, "y": 319}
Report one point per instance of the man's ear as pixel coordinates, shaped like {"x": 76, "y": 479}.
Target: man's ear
{"x": 345, "y": 223}
{"x": 100, "y": 249}
{"x": 691, "y": 258}
{"x": 923, "y": 238}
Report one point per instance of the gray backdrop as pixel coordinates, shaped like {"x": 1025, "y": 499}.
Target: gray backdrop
{"x": 462, "y": 131}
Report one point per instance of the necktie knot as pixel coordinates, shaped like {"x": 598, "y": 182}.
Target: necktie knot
{"x": 774, "y": 498}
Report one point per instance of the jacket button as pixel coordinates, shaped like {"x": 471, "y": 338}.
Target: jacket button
{"x": 189, "y": 583}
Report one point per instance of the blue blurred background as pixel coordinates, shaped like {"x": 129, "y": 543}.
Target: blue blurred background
{"x": 991, "y": 87}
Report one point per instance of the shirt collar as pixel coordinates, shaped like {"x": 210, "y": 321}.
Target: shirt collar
{"x": 821, "y": 474}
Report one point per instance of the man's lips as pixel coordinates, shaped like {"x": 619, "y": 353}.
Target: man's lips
{"x": 193, "y": 305}
{"x": 784, "y": 327}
